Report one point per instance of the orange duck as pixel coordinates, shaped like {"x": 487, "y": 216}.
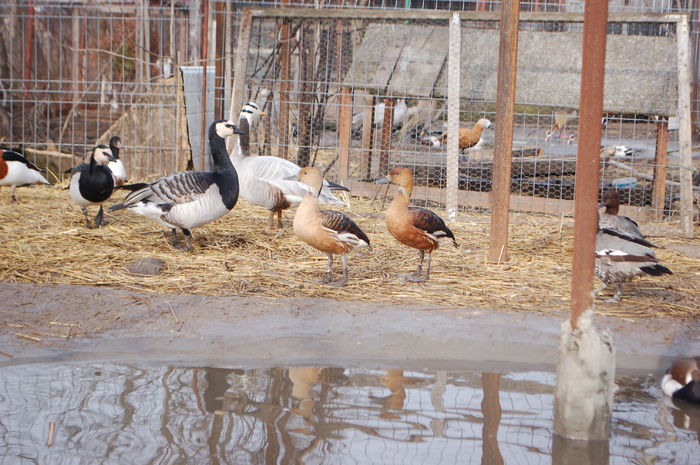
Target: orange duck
{"x": 470, "y": 138}
{"x": 329, "y": 231}
{"x": 414, "y": 226}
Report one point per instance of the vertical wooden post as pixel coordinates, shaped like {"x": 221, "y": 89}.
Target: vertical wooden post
{"x": 502, "y": 156}
{"x": 367, "y": 138}
{"x": 684, "y": 126}
{"x": 75, "y": 62}
{"x": 385, "y": 143}
{"x": 219, "y": 61}
{"x": 28, "y": 46}
{"x": 453, "y": 92}
{"x": 284, "y": 87}
{"x": 239, "y": 70}
{"x": 588, "y": 157}
{"x": 659, "y": 192}
{"x": 146, "y": 52}
{"x": 344, "y": 122}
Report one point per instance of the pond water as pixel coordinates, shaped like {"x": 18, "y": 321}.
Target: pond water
{"x": 126, "y": 413}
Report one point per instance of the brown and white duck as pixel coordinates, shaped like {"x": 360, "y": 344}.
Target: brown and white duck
{"x": 414, "y": 226}
{"x": 329, "y": 231}
{"x": 622, "y": 252}
{"x": 15, "y": 170}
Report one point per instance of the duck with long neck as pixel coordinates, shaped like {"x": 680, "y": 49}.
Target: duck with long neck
{"x": 414, "y": 226}
{"x": 116, "y": 166}
{"x": 92, "y": 183}
{"x": 329, "y": 231}
{"x": 193, "y": 198}
{"x": 268, "y": 181}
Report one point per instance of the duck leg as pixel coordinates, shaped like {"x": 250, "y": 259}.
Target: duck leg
{"x": 271, "y": 221}
{"x": 173, "y": 239}
{"x": 99, "y": 218}
{"x": 618, "y": 293}
{"x": 188, "y": 240}
{"x": 342, "y": 281}
{"x": 13, "y": 198}
{"x": 329, "y": 271}
{"x": 88, "y": 224}
{"x": 417, "y": 276}
{"x": 279, "y": 219}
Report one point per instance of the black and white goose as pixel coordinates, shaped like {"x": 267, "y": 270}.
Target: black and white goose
{"x": 268, "y": 181}
{"x": 622, "y": 252}
{"x": 15, "y": 170}
{"x": 682, "y": 380}
{"x": 92, "y": 183}
{"x": 190, "y": 199}
{"x": 117, "y": 166}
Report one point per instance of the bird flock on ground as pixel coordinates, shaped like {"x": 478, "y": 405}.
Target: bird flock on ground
{"x": 190, "y": 199}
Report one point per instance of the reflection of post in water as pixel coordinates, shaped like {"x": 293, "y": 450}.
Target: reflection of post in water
{"x": 491, "y": 409}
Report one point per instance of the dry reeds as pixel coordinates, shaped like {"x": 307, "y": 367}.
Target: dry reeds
{"x": 45, "y": 241}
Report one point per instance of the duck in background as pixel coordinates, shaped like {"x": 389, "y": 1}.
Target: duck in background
{"x": 15, "y": 170}
{"x": 414, "y": 226}
{"x": 117, "y": 166}
{"x": 469, "y": 138}
{"x": 682, "y": 380}
{"x": 190, "y": 199}
{"x": 329, "y": 231}
{"x": 268, "y": 181}
{"x": 622, "y": 252}
{"x": 92, "y": 183}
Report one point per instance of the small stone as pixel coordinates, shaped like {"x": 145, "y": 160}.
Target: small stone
{"x": 145, "y": 266}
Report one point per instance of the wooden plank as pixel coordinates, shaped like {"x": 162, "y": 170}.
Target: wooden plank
{"x": 385, "y": 144}
{"x": 239, "y": 69}
{"x": 684, "y": 126}
{"x": 502, "y": 157}
{"x": 433, "y": 15}
{"x": 344, "y": 122}
{"x": 453, "y": 93}
{"x": 367, "y": 137}
{"x": 219, "y": 61}
{"x": 420, "y": 63}
{"x": 659, "y": 195}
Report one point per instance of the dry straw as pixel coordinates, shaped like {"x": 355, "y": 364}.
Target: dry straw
{"x": 45, "y": 241}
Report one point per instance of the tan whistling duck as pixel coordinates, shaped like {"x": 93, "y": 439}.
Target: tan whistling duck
{"x": 15, "y": 170}
{"x": 469, "y": 138}
{"x": 682, "y": 380}
{"x": 329, "y": 231}
{"x": 622, "y": 252}
{"x": 413, "y": 226}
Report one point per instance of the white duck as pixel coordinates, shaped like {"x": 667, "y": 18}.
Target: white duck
{"x": 15, "y": 170}
{"x": 271, "y": 181}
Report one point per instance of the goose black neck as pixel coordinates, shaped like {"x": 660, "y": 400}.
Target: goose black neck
{"x": 217, "y": 144}
{"x": 93, "y": 163}
{"x": 115, "y": 150}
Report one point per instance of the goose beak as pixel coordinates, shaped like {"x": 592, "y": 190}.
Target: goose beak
{"x": 290, "y": 178}
{"x": 237, "y": 130}
{"x": 110, "y": 157}
{"x": 262, "y": 113}
{"x": 384, "y": 180}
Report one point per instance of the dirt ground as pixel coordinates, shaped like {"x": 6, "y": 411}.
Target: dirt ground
{"x": 252, "y": 296}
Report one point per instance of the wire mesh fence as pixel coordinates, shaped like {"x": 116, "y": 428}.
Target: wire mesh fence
{"x": 78, "y": 72}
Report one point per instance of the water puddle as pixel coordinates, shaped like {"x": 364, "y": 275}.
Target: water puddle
{"x": 145, "y": 414}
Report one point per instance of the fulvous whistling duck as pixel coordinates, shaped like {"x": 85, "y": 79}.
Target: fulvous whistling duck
{"x": 92, "y": 183}
{"x": 469, "y": 138}
{"x": 15, "y": 170}
{"x": 414, "y": 226}
{"x": 271, "y": 181}
{"x": 117, "y": 167}
{"x": 329, "y": 231}
{"x": 682, "y": 380}
{"x": 193, "y": 198}
{"x": 622, "y": 252}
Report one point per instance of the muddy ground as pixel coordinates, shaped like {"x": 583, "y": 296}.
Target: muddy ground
{"x": 74, "y": 323}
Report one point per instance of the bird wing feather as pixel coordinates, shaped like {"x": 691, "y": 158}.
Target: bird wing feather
{"x": 341, "y": 223}
{"x": 175, "y": 189}
{"x": 429, "y": 222}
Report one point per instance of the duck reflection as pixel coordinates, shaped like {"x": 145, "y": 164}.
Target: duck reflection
{"x": 686, "y": 416}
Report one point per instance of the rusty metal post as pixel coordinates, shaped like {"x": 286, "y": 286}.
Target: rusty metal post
{"x": 28, "y": 47}
{"x": 385, "y": 143}
{"x": 205, "y": 54}
{"x": 502, "y": 155}
{"x": 285, "y": 84}
{"x": 219, "y": 60}
{"x": 588, "y": 157}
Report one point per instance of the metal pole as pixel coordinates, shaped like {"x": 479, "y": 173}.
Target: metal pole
{"x": 502, "y": 156}
{"x": 219, "y": 63}
{"x": 453, "y": 92}
{"x": 595, "y": 20}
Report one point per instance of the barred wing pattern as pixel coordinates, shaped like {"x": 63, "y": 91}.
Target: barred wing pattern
{"x": 341, "y": 223}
